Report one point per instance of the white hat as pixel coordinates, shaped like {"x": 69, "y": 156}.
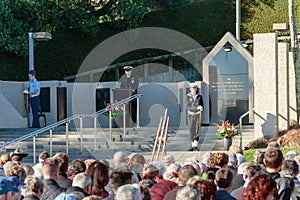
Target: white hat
{"x": 127, "y": 67}
{"x": 193, "y": 85}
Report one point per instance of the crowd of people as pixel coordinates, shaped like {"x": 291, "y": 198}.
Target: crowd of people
{"x": 219, "y": 176}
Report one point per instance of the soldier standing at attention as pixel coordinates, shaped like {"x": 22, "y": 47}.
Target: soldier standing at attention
{"x": 194, "y": 110}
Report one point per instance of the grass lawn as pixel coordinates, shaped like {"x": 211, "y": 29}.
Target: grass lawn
{"x": 249, "y": 154}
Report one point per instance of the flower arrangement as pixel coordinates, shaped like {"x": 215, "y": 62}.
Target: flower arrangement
{"x": 227, "y": 130}
{"x": 116, "y": 111}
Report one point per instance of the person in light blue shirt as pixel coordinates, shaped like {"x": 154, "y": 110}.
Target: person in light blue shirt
{"x": 34, "y": 94}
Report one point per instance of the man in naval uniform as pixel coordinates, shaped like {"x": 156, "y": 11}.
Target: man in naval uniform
{"x": 194, "y": 110}
{"x": 130, "y": 81}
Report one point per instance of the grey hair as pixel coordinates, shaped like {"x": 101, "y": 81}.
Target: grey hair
{"x": 82, "y": 180}
{"x": 160, "y": 166}
{"x": 188, "y": 192}
{"x": 128, "y": 192}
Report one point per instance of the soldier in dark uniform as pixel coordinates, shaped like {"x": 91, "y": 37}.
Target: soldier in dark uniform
{"x": 194, "y": 107}
{"x": 130, "y": 81}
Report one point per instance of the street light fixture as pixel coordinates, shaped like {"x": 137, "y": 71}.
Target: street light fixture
{"x": 38, "y": 36}
{"x": 227, "y": 47}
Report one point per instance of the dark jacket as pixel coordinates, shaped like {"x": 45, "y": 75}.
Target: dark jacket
{"x": 51, "y": 189}
{"x": 73, "y": 189}
{"x": 63, "y": 181}
{"x": 283, "y": 186}
{"x": 131, "y": 82}
{"x": 223, "y": 195}
{"x": 30, "y": 197}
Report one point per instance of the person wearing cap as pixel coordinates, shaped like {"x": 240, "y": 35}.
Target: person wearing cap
{"x": 7, "y": 190}
{"x": 194, "y": 108}
{"x": 130, "y": 81}
{"x": 34, "y": 95}
{"x": 17, "y": 156}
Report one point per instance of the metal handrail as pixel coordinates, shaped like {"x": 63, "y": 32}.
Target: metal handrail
{"x": 241, "y": 124}
{"x": 67, "y": 120}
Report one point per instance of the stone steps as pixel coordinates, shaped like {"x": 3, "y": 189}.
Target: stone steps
{"x": 134, "y": 140}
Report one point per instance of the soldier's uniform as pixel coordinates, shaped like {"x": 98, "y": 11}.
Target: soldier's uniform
{"x": 132, "y": 83}
{"x": 194, "y": 107}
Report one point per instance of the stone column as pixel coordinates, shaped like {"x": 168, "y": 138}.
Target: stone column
{"x": 265, "y": 84}
{"x": 283, "y": 82}
{"x": 292, "y": 89}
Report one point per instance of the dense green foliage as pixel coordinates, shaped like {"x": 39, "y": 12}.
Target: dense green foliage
{"x": 75, "y": 33}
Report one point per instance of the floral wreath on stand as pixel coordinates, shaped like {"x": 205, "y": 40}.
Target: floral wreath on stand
{"x": 116, "y": 111}
{"x": 227, "y": 130}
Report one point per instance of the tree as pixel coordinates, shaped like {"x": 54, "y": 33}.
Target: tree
{"x": 18, "y": 17}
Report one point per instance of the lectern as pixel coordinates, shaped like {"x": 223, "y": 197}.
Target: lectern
{"x": 130, "y": 108}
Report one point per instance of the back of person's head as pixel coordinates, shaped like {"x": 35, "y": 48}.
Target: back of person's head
{"x": 137, "y": 158}
{"x": 273, "y": 144}
{"x": 188, "y": 192}
{"x": 137, "y": 168}
{"x": 242, "y": 167}
{"x": 161, "y": 168}
{"x": 28, "y": 169}
{"x": 297, "y": 159}
{"x": 290, "y": 155}
{"x": 63, "y": 162}
{"x": 235, "y": 149}
{"x": 128, "y": 192}
{"x": 240, "y": 159}
{"x": 82, "y": 180}
{"x": 290, "y": 167}
{"x": 185, "y": 173}
{"x": 167, "y": 160}
{"x": 223, "y": 178}
{"x": 77, "y": 166}
{"x": 145, "y": 192}
{"x": 172, "y": 171}
{"x": 232, "y": 159}
{"x": 259, "y": 156}
{"x": 4, "y": 158}
{"x": 207, "y": 189}
{"x": 252, "y": 170}
{"x": 7, "y": 167}
{"x": 273, "y": 158}
{"x": 205, "y": 158}
{"x": 50, "y": 168}
{"x": 120, "y": 157}
{"x": 100, "y": 178}
{"x": 121, "y": 175}
{"x": 105, "y": 162}
{"x": 150, "y": 172}
{"x": 195, "y": 165}
{"x": 262, "y": 184}
{"x": 17, "y": 171}
{"x": 33, "y": 185}
{"x": 220, "y": 159}
{"x": 43, "y": 156}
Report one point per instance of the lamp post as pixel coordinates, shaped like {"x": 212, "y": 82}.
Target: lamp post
{"x": 38, "y": 36}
